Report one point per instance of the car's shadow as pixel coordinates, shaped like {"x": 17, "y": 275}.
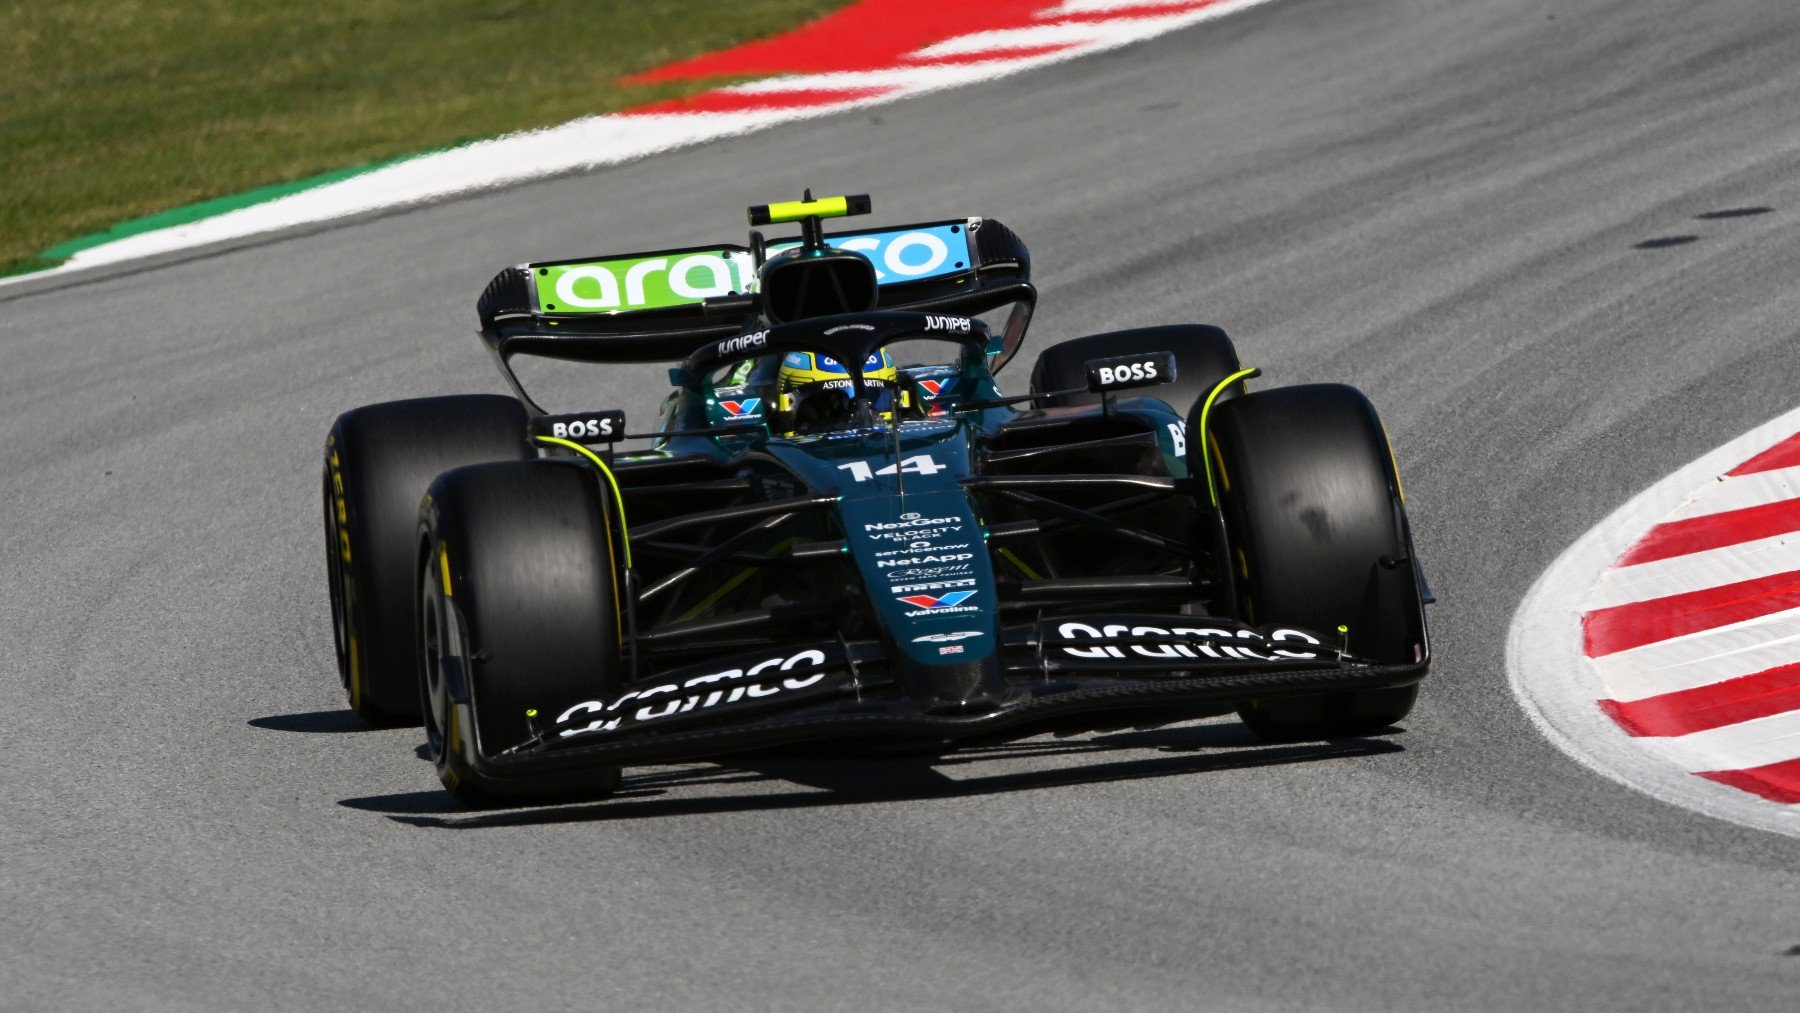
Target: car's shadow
{"x": 326, "y": 722}
{"x": 862, "y": 780}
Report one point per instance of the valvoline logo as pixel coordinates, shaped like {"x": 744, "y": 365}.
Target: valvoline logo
{"x": 933, "y": 387}
{"x": 748, "y": 406}
{"x": 926, "y": 601}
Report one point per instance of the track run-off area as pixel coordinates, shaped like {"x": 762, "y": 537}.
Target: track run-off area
{"x": 1501, "y": 220}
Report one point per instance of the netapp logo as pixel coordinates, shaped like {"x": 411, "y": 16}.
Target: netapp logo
{"x": 955, "y": 557}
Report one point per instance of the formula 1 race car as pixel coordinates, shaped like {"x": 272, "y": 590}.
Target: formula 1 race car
{"x": 841, "y": 529}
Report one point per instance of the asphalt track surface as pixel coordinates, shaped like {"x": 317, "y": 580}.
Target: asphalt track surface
{"x": 1443, "y": 203}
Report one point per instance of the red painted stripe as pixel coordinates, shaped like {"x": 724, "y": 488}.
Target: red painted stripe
{"x": 1777, "y": 782}
{"x": 872, "y": 33}
{"x": 1746, "y": 698}
{"x": 875, "y": 34}
{"x": 1785, "y": 454}
{"x": 1697, "y": 534}
{"x": 1622, "y": 627}
{"x": 738, "y": 102}
{"x": 986, "y": 55}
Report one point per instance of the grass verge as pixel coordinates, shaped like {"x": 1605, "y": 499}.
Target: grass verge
{"x": 118, "y": 109}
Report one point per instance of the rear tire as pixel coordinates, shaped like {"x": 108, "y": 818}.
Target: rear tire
{"x": 1204, "y": 356}
{"x": 378, "y": 461}
{"x": 518, "y": 609}
{"x": 1312, "y": 509}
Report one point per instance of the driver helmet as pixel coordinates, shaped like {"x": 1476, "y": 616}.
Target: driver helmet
{"x": 815, "y": 391}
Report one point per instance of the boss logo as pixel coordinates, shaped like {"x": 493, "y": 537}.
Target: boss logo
{"x": 582, "y": 427}
{"x": 1130, "y": 371}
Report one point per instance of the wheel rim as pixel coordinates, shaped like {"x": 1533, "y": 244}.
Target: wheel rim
{"x": 337, "y": 578}
{"x": 434, "y": 702}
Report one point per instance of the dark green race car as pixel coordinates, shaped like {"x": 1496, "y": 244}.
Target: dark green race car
{"x": 843, "y": 529}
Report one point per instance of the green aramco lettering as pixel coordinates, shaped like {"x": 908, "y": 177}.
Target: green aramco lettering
{"x": 654, "y": 282}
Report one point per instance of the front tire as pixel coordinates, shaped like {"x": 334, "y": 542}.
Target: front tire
{"x": 1317, "y": 532}
{"x": 378, "y": 461}
{"x": 519, "y": 603}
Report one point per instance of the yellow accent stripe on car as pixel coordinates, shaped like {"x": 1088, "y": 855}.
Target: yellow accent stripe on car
{"x": 444, "y": 566}
{"x": 624, "y": 531}
{"x": 712, "y": 599}
{"x": 794, "y": 210}
{"x": 1010, "y": 557}
{"x": 1205, "y": 419}
{"x": 1398, "y": 486}
{"x": 618, "y": 497}
{"x": 1217, "y": 459}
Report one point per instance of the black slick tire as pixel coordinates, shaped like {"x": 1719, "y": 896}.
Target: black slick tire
{"x": 378, "y": 461}
{"x": 1204, "y": 356}
{"x": 1317, "y": 534}
{"x": 518, "y": 611}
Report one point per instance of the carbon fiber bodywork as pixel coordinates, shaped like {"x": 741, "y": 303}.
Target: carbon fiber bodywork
{"x": 940, "y": 563}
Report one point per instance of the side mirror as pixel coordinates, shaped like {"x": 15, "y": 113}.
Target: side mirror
{"x": 1127, "y": 372}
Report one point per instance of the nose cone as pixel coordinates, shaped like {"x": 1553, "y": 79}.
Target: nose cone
{"x": 925, "y": 567}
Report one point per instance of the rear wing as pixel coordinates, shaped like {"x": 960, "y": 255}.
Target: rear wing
{"x": 651, "y": 307}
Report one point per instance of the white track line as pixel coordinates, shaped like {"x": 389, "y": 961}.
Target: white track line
{"x": 1741, "y": 492}
{"x": 1748, "y": 744}
{"x": 1065, "y": 34}
{"x": 596, "y": 141}
{"x": 1107, "y": 6}
{"x": 1695, "y": 571}
{"x": 1700, "y": 659}
{"x": 1558, "y": 686}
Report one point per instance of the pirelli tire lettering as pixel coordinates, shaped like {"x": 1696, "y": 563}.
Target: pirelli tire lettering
{"x": 339, "y": 505}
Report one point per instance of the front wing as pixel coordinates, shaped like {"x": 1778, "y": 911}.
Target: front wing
{"x": 838, "y": 689}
